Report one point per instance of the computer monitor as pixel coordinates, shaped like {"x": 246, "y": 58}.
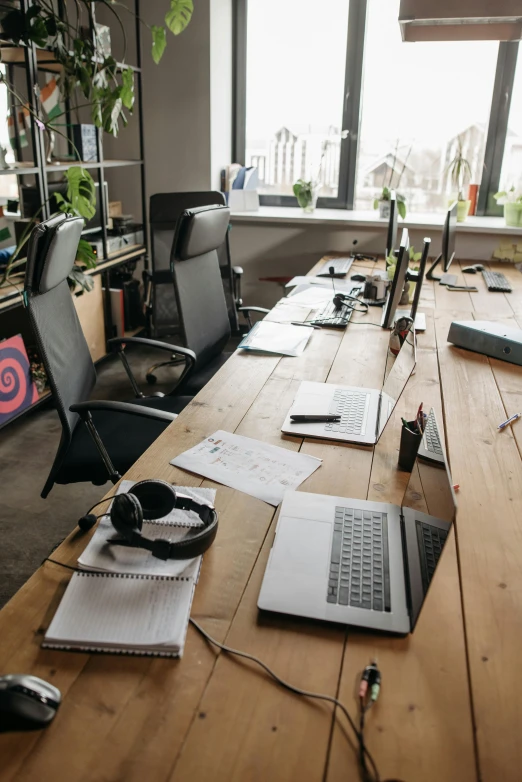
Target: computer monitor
{"x": 397, "y": 285}
{"x": 391, "y": 235}
{"x": 417, "y": 277}
{"x": 448, "y": 243}
{"x": 30, "y": 198}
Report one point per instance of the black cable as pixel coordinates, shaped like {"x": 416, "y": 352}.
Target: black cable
{"x": 298, "y": 691}
{"x": 55, "y": 562}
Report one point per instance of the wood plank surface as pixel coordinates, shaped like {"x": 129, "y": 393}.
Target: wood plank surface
{"x": 211, "y": 717}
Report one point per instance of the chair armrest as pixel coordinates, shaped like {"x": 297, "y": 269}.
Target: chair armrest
{"x": 117, "y": 344}
{"x": 237, "y": 270}
{"x": 248, "y": 310}
{"x": 82, "y": 408}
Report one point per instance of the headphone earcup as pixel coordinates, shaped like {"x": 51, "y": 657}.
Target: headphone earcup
{"x": 126, "y": 515}
{"x": 157, "y": 498}
{"x": 338, "y": 301}
{"x": 87, "y": 522}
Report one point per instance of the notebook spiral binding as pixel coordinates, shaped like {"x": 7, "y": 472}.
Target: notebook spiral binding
{"x": 136, "y": 576}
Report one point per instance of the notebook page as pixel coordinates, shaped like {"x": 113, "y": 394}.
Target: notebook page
{"x": 122, "y": 612}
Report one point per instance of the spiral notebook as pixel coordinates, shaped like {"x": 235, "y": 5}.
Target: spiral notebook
{"x": 123, "y": 614}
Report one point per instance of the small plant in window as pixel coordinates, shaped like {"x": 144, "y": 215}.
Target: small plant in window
{"x": 392, "y": 181}
{"x": 460, "y": 174}
{"x": 511, "y": 200}
{"x": 307, "y": 192}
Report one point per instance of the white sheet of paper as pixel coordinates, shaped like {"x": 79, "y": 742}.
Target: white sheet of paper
{"x": 282, "y": 338}
{"x": 309, "y": 296}
{"x": 256, "y": 468}
{"x": 343, "y": 286}
{"x": 101, "y": 555}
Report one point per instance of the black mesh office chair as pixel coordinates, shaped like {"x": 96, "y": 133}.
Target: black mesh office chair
{"x": 164, "y": 212}
{"x": 199, "y": 293}
{"x": 115, "y": 433}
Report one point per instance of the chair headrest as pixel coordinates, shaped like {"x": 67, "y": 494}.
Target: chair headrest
{"x": 51, "y": 253}
{"x": 200, "y": 231}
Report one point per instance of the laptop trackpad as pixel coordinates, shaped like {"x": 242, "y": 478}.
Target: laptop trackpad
{"x": 302, "y": 546}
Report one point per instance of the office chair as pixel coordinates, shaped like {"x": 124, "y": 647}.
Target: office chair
{"x": 115, "y": 434}
{"x": 164, "y": 211}
{"x": 199, "y": 294}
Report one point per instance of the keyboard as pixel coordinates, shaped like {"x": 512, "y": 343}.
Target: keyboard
{"x": 496, "y": 282}
{"x": 352, "y": 406}
{"x": 341, "y": 265}
{"x": 431, "y": 542}
{"x": 331, "y": 317}
{"x": 431, "y": 437}
{"x": 448, "y": 279}
{"x": 359, "y": 573}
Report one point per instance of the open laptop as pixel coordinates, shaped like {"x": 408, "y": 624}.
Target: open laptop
{"x": 431, "y": 448}
{"x": 364, "y": 412}
{"x": 358, "y": 562}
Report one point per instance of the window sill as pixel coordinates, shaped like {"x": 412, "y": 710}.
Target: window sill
{"x": 275, "y": 215}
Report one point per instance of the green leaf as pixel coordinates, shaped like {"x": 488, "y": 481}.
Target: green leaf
{"x": 77, "y": 277}
{"x": 401, "y": 208}
{"x": 38, "y": 31}
{"x": 386, "y": 194}
{"x": 127, "y": 92}
{"x": 81, "y": 193}
{"x": 375, "y": 203}
{"x": 159, "y": 42}
{"x": 86, "y": 255}
{"x": 179, "y": 15}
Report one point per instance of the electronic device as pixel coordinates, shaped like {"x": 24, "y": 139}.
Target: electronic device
{"x": 397, "y": 285}
{"x": 117, "y": 243}
{"x": 419, "y": 319}
{"x": 391, "y": 234}
{"x": 492, "y": 339}
{"x": 375, "y": 288}
{"x": 359, "y": 562}
{"x": 154, "y": 499}
{"x": 448, "y": 245}
{"x": 448, "y": 279}
{"x": 496, "y": 281}
{"x": 358, "y": 277}
{"x": 364, "y": 412}
{"x": 430, "y": 447}
{"x": 334, "y": 315}
{"x": 341, "y": 267}
{"x": 27, "y": 702}
{"x": 30, "y": 198}
{"x": 477, "y": 267}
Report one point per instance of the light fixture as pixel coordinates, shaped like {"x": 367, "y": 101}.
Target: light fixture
{"x": 461, "y": 20}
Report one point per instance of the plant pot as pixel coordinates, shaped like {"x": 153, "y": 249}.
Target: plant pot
{"x": 462, "y": 210}
{"x": 309, "y": 206}
{"x": 384, "y": 210}
{"x": 513, "y": 215}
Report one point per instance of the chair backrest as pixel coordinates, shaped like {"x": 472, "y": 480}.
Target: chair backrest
{"x": 65, "y": 354}
{"x": 197, "y": 280}
{"x": 164, "y": 212}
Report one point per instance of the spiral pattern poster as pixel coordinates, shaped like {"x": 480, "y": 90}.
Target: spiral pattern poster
{"x": 17, "y": 388}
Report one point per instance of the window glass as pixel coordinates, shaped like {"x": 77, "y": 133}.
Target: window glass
{"x": 417, "y": 99}
{"x": 511, "y": 172}
{"x": 296, "y": 55}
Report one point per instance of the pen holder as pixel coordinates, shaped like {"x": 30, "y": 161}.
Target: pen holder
{"x": 409, "y": 446}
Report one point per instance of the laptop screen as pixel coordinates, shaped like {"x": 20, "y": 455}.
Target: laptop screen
{"x": 428, "y": 511}
{"x": 396, "y": 380}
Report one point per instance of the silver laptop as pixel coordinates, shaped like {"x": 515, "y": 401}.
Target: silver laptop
{"x": 364, "y": 412}
{"x": 358, "y": 562}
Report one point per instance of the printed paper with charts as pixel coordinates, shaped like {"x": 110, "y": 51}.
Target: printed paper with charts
{"x": 256, "y": 468}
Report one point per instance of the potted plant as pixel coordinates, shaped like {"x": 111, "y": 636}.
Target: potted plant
{"x": 460, "y": 173}
{"x": 382, "y": 202}
{"x": 307, "y": 194}
{"x": 511, "y": 200}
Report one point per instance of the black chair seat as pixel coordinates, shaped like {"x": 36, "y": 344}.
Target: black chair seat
{"x": 199, "y": 378}
{"x": 125, "y": 437}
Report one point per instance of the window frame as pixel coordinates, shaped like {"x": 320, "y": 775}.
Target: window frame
{"x": 355, "y": 52}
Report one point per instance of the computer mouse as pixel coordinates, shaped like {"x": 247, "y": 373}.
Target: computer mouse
{"x": 26, "y": 702}
{"x": 469, "y": 270}
{"x": 358, "y": 277}
{"x": 479, "y": 267}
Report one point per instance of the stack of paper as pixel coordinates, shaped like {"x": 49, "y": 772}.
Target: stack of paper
{"x": 282, "y": 338}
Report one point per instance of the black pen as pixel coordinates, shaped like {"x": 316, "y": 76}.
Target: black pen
{"x": 310, "y": 419}
{"x": 301, "y": 323}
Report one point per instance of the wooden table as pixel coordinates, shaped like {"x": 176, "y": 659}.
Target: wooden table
{"x": 451, "y": 705}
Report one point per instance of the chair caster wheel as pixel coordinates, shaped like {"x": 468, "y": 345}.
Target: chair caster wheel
{"x": 151, "y": 379}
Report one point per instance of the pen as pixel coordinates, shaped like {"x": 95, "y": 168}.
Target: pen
{"x": 509, "y": 421}
{"x": 300, "y": 323}
{"x": 304, "y": 419}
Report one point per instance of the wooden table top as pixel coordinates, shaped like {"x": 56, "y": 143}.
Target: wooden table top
{"x": 450, "y": 706}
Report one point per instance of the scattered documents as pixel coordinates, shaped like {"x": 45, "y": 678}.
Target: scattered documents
{"x": 256, "y": 468}
{"x": 282, "y": 338}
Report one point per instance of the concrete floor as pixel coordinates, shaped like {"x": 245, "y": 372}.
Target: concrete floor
{"x": 30, "y": 527}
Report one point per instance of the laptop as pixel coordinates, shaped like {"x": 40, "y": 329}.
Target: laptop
{"x": 430, "y": 447}
{"x": 364, "y": 412}
{"x": 362, "y": 563}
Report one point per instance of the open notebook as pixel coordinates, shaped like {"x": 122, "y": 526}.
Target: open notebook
{"x": 126, "y": 601}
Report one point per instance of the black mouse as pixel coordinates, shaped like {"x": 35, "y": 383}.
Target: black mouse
{"x": 26, "y": 702}
{"x": 358, "y": 277}
{"x": 469, "y": 270}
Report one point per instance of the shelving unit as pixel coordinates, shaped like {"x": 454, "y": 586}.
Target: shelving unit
{"x": 36, "y": 61}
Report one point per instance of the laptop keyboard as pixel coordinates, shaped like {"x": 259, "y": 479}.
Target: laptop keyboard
{"x": 359, "y": 561}
{"x": 330, "y": 316}
{"x": 353, "y": 407}
{"x": 431, "y": 437}
{"x": 431, "y": 542}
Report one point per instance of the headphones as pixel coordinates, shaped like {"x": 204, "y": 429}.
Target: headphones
{"x": 153, "y": 499}
{"x": 344, "y": 298}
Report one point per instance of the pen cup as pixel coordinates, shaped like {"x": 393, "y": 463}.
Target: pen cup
{"x": 410, "y": 441}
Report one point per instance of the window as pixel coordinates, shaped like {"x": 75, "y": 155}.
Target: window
{"x": 330, "y": 90}
{"x": 418, "y": 98}
{"x": 295, "y": 69}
